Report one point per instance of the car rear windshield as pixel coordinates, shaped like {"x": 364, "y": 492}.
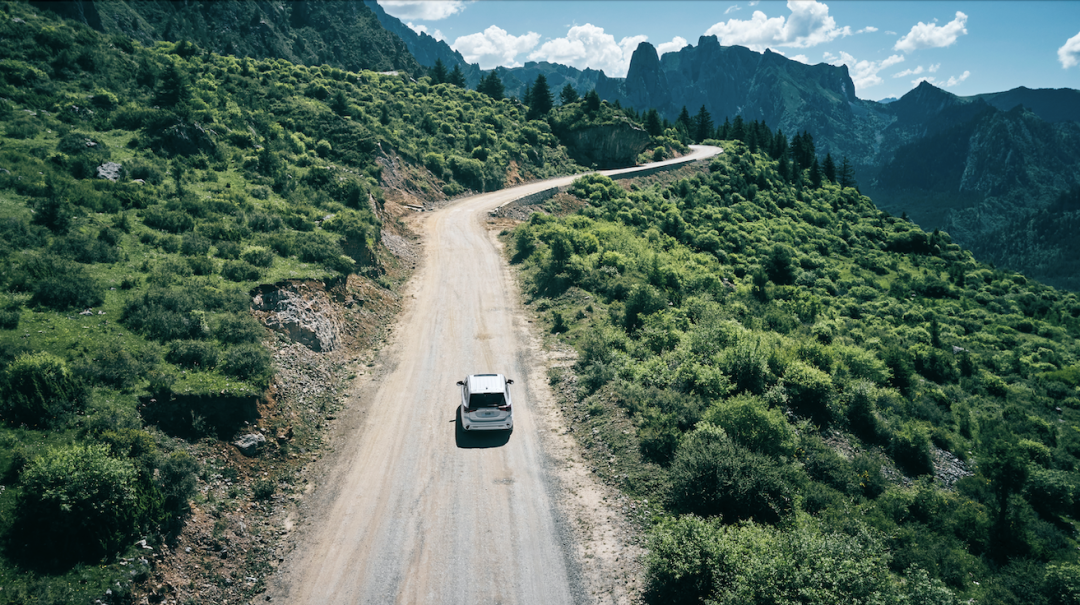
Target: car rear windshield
{"x": 486, "y": 400}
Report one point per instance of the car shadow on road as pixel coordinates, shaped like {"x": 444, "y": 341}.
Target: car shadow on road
{"x": 480, "y": 439}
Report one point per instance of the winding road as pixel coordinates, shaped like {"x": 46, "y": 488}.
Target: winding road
{"x": 410, "y": 511}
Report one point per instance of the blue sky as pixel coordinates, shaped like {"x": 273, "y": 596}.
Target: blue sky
{"x": 967, "y": 47}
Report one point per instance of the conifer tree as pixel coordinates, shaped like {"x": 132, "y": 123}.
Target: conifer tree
{"x": 652, "y": 123}
{"x": 457, "y": 77}
{"x": 539, "y": 101}
{"x": 492, "y": 86}
{"x": 703, "y": 125}
{"x": 568, "y": 95}
{"x": 829, "y": 168}
{"x": 439, "y": 74}
{"x": 592, "y": 101}
{"x": 846, "y": 175}
{"x": 815, "y": 174}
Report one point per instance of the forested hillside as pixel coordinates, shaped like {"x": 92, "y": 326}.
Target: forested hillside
{"x": 810, "y": 400}
{"x": 340, "y": 33}
{"x": 145, "y": 193}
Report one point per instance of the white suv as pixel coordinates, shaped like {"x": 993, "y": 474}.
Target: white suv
{"x": 485, "y": 403}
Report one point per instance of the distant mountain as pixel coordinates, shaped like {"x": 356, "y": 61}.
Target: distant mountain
{"x": 1050, "y": 104}
{"x": 341, "y": 33}
{"x": 424, "y": 47}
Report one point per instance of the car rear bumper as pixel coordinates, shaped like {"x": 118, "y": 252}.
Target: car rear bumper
{"x": 501, "y": 424}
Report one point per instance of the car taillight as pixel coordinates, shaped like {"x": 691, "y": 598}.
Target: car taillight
{"x": 505, "y": 408}
{"x": 468, "y": 410}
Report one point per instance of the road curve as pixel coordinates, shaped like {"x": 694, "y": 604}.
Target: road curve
{"x": 409, "y": 512}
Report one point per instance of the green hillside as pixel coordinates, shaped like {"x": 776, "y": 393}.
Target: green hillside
{"x": 126, "y": 337}
{"x": 809, "y": 400}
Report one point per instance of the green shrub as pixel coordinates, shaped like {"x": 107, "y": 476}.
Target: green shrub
{"x": 228, "y": 250}
{"x": 238, "y": 329}
{"x": 71, "y": 289}
{"x": 1051, "y": 492}
{"x": 117, "y": 365}
{"x": 167, "y": 220}
{"x": 249, "y": 362}
{"x": 165, "y": 314}
{"x": 202, "y": 265}
{"x": 259, "y": 257}
{"x": 9, "y": 318}
{"x": 193, "y": 244}
{"x": 78, "y": 496}
{"x": 195, "y": 354}
{"x": 238, "y": 270}
{"x": 712, "y": 476}
{"x": 811, "y": 392}
{"x": 748, "y": 420}
{"x": 910, "y": 449}
{"x": 40, "y": 391}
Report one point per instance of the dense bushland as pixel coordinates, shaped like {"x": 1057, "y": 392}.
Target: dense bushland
{"x": 130, "y": 293}
{"x": 816, "y": 401}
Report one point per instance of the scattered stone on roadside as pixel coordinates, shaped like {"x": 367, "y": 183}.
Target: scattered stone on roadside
{"x": 249, "y": 444}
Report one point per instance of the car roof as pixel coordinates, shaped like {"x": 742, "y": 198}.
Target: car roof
{"x": 487, "y": 383}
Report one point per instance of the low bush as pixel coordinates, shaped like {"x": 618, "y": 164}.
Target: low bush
{"x": 249, "y": 362}
{"x": 40, "y": 391}
{"x": 712, "y": 476}
{"x": 78, "y": 502}
{"x": 236, "y": 328}
{"x": 194, "y": 354}
{"x": 238, "y": 270}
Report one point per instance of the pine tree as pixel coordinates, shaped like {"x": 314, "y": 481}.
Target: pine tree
{"x": 738, "y": 129}
{"x": 815, "y": 174}
{"x": 457, "y": 77}
{"x": 683, "y": 119}
{"x": 491, "y": 86}
{"x": 652, "y": 123}
{"x": 846, "y": 175}
{"x": 592, "y": 101}
{"x": 829, "y": 168}
{"x": 439, "y": 74}
{"x": 540, "y": 101}
{"x": 703, "y": 125}
{"x": 568, "y": 95}
{"x": 725, "y": 130}
{"x": 779, "y": 146}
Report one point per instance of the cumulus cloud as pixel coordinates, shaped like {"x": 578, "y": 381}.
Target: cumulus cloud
{"x": 932, "y": 35}
{"x": 909, "y": 72}
{"x": 588, "y": 46}
{"x": 425, "y": 10}
{"x": 800, "y": 59}
{"x": 1069, "y": 53}
{"x": 494, "y": 47}
{"x": 863, "y": 73}
{"x": 952, "y": 81}
{"x": 423, "y": 29}
{"x": 869, "y": 29}
{"x": 933, "y": 68}
{"x": 808, "y": 24}
{"x": 676, "y": 43}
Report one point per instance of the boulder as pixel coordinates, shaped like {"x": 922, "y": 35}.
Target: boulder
{"x": 249, "y": 444}
{"x": 109, "y": 170}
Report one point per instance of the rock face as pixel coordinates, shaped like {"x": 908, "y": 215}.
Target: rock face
{"x": 109, "y": 170}
{"x": 302, "y": 312}
{"x": 606, "y": 145}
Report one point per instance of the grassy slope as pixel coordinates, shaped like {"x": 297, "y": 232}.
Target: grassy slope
{"x": 850, "y": 349}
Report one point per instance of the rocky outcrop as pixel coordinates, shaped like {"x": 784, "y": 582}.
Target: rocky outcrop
{"x": 612, "y": 145}
{"x": 302, "y": 312}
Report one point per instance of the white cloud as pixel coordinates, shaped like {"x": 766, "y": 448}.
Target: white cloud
{"x": 732, "y": 8}
{"x": 890, "y": 33}
{"x": 931, "y": 35}
{"x": 869, "y": 29}
{"x": 954, "y": 80}
{"x": 800, "y": 59}
{"x": 909, "y": 72}
{"x": 420, "y": 9}
{"x": 423, "y": 29}
{"x": 809, "y": 24}
{"x": 933, "y": 68}
{"x": 588, "y": 46}
{"x": 864, "y": 74}
{"x": 1069, "y": 53}
{"x": 494, "y": 47}
{"x": 676, "y": 43}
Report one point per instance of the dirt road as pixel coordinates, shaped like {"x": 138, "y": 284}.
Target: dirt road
{"x": 411, "y": 512}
